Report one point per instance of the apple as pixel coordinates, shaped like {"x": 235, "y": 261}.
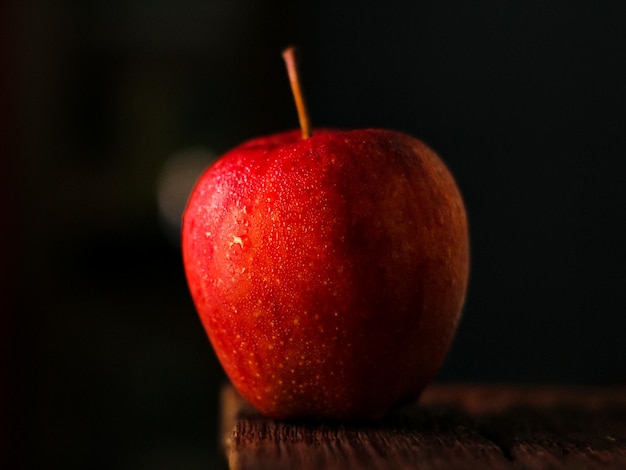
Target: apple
{"x": 329, "y": 268}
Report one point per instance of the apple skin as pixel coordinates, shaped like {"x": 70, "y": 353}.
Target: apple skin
{"x": 329, "y": 272}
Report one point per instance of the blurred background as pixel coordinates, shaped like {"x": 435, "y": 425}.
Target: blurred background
{"x": 110, "y": 109}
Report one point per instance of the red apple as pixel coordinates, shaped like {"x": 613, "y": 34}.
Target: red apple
{"x": 329, "y": 271}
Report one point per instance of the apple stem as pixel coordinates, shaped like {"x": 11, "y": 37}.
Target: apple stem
{"x": 289, "y": 56}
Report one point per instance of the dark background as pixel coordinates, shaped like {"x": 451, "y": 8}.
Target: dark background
{"x": 105, "y": 361}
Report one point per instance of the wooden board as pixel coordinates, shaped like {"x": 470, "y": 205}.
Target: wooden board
{"x": 452, "y": 427}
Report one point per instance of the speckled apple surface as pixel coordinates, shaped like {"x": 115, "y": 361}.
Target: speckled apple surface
{"x": 328, "y": 272}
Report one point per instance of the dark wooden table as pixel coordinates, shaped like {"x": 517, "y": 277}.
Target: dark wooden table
{"x": 452, "y": 427}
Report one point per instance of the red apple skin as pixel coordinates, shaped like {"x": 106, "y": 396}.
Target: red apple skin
{"x": 328, "y": 272}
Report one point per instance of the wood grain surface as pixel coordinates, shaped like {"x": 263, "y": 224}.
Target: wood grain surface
{"x": 452, "y": 427}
